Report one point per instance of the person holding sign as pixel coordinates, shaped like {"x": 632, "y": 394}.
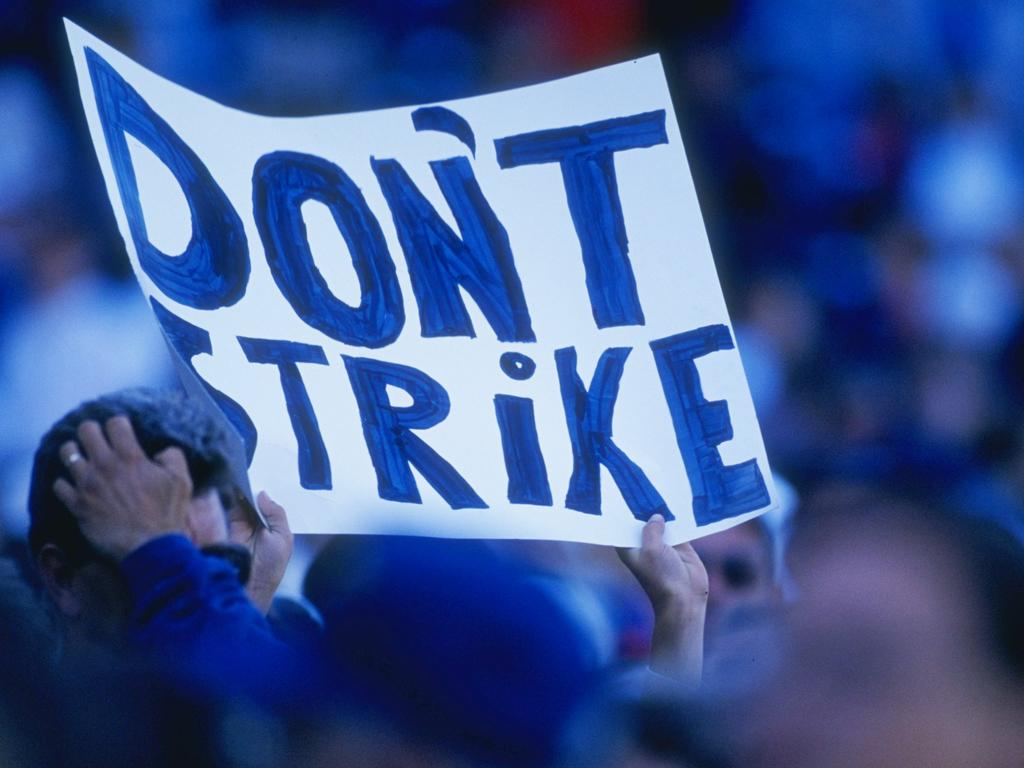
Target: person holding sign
{"x": 131, "y": 538}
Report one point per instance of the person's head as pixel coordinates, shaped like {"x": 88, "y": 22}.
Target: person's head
{"x": 82, "y": 583}
{"x": 455, "y": 646}
{"x": 904, "y": 647}
{"x": 740, "y": 567}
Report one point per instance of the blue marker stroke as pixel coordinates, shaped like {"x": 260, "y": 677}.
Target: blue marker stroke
{"x": 524, "y": 463}
{"x": 314, "y": 464}
{"x": 440, "y": 262}
{"x": 282, "y": 182}
{"x": 588, "y": 415}
{"x": 585, "y": 154}
{"x": 190, "y": 340}
{"x": 444, "y": 120}
{"x": 213, "y": 270}
{"x": 719, "y": 491}
{"x": 388, "y": 431}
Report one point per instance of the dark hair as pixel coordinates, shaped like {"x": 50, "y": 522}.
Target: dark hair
{"x": 160, "y": 418}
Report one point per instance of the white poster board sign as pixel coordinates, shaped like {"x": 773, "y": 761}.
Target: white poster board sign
{"x": 493, "y": 317}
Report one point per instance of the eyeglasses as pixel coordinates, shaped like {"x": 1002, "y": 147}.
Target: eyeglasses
{"x": 738, "y": 573}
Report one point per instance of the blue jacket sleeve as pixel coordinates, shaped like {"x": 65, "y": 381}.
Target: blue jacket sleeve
{"x": 191, "y": 615}
{"x": 185, "y": 599}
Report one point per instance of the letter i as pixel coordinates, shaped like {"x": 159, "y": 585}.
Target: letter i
{"x": 524, "y": 462}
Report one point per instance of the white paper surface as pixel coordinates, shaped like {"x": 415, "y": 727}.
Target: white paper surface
{"x": 668, "y": 253}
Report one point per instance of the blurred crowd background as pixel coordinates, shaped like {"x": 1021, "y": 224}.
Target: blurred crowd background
{"x": 859, "y": 169}
{"x": 858, "y": 165}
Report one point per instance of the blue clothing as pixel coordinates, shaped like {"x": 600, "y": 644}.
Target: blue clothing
{"x": 191, "y": 616}
{"x": 185, "y": 600}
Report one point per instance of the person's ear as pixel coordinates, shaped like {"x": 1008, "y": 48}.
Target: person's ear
{"x": 58, "y": 577}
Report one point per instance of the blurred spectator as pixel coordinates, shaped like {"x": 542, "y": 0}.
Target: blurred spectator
{"x": 68, "y": 344}
{"x": 136, "y": 551}
{"x": 905, "y": 646}
{"x": 741, "y": 572}
{"x": 461, "y": 648}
